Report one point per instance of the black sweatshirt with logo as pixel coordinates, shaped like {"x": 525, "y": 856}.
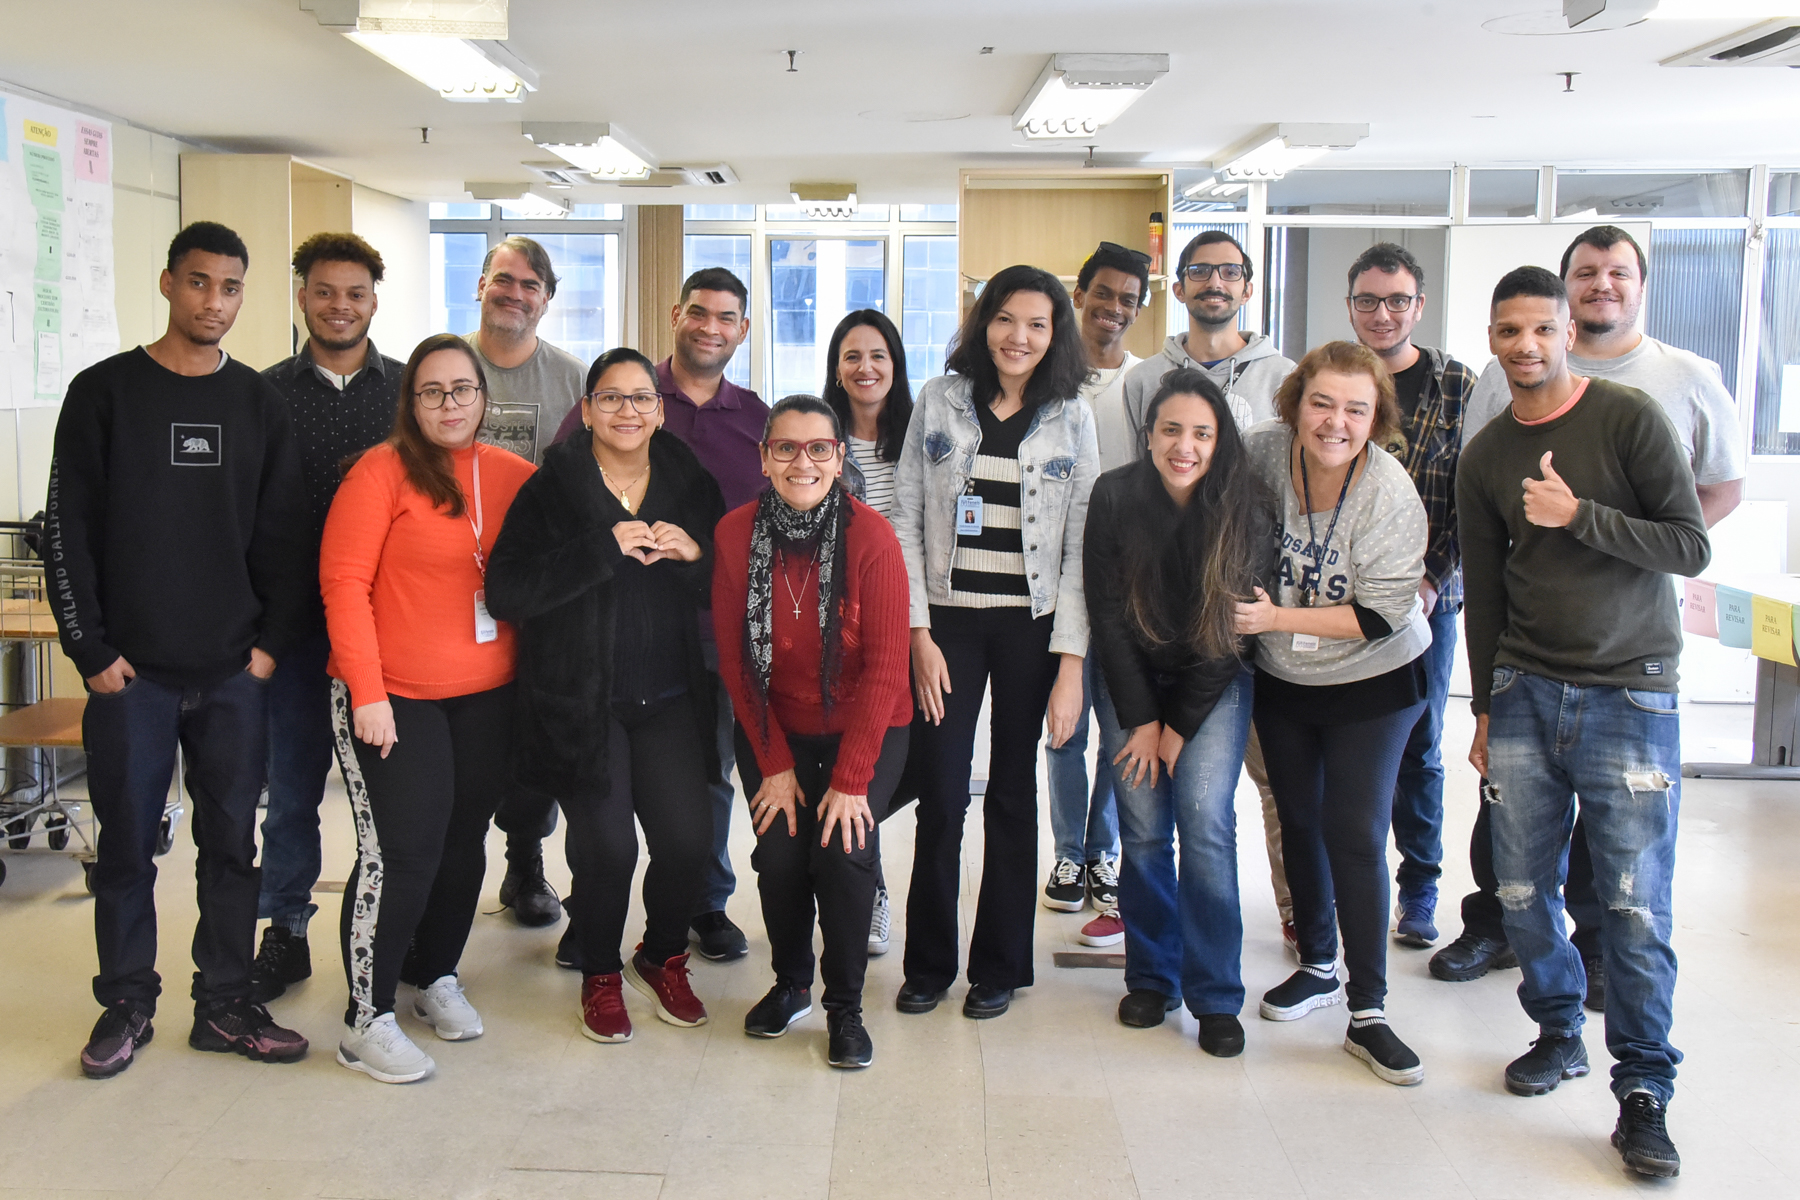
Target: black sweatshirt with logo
{"x": 176, "y": 521}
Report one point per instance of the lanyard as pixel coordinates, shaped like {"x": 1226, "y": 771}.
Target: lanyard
{"x": 476, "y": 520}
{"x": 1318, "y": 548}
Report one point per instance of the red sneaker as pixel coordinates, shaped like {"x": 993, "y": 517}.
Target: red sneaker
{"x": 1290, "y": 937}
{"x": 603, "y": 1015}
{"x": 667, "y": 987}
{"x": 1104, "y": 930}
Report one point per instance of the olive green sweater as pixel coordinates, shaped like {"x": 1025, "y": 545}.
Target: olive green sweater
{"x": 1589, "y": 604}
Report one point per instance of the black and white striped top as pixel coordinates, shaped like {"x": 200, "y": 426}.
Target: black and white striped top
{"x": 988, "y": 568}
{"x": 878, "y": 477}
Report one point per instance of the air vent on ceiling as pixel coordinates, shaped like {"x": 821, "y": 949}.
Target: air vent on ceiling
{"x": 558, "y": 173}
{"x": 674, "y": 175}
{"x": 1771, "y": 44}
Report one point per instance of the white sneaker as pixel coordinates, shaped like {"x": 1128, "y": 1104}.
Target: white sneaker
{"x": 383, "y": 1052}
{"x": 442, "y": 1006}
{"x": 880, "y": 922}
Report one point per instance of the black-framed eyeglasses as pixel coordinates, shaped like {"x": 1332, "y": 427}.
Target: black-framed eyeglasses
{"x": 434, "y": 397}
{"x": 1367, "y": 303}
{"x": 786, "y": 450}
{"x": 612, "y": 402}
{"x": 1115, "y": 248}
{"x": 1201, "y": 272}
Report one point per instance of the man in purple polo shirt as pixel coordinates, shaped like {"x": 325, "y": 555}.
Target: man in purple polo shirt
{"x": 723, "y": 424}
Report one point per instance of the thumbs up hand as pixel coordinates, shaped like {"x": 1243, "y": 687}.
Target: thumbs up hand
{"x": 1549, "y": 502}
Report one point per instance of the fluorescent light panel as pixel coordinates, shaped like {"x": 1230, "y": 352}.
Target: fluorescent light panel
{"x": 457, "y": 69}
{"x": 1724, "y": 10}
{"x": 1275, "y": 151}
{"x": 1076, "y": 95}
{"x": 604, "y": 151}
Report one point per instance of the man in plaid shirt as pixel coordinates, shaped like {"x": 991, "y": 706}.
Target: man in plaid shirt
{"x": 1387, "y": 298}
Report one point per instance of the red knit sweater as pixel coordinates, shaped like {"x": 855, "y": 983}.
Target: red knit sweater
{"x": 874, "y": 692}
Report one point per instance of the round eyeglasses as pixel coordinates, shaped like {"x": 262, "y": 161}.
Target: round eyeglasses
{"x": 612, "y": 402}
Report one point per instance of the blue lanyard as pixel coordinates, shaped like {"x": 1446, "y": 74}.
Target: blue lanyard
{"x": 1318, "y": 548}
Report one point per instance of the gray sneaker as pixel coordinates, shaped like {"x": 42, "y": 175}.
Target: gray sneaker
{"x": 442, "y": 1005}
{"x": 881, "y": 921}
{"x": 383, "y": 1052}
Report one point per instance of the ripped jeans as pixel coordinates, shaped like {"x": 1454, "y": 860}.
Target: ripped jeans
{"x": 1619, "y": 751}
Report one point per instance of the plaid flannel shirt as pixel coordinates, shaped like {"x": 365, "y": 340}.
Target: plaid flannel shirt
{"x": 1428, "y": 447}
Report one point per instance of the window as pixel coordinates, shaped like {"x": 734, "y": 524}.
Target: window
{"x": 813, "y": 283}
{"x": 719, "y": 212}
{"x": 1696, "y": 293}
{"x": 1179, "y": 234}
{"x": 928, "y": 212}
{"x": 929, "y": 309}
{"x": 1306, "y": 277}
{"x": 455, "y": 266}
{"x": 1639, "y": 194}
{"x": 583, "y": 316}
{"x": 597, "y": 212}
{"x": 1784, "y": 193}
{"x": 1503, "y": 194}
{"x": 462, "y": 212}
{"x": 731, "y": 251}
{"x": 1361, "y": 194}
{"x": 1777, "y": 422}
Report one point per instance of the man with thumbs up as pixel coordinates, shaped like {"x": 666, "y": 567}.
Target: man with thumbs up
{"x": 1573, "y": 506}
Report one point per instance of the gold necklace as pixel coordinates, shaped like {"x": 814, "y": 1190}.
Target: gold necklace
{"x": 625, "y": 489}
{"x": 803, "y": 582}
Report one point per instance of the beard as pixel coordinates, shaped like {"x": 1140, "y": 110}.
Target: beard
{"x": 697, "y": 364}
{"x": 322, "y": 335}
{"x": 1226, "y": 320}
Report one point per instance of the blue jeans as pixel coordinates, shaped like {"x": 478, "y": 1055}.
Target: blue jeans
{"x": 1419, "y": 790}
{"x": 299, "y": 764}
{"x": 1619, "y": 750}
{"x": 1184, "y": 932}
{"x": 718, "y": 880}
{"x": 1083, "y": 826}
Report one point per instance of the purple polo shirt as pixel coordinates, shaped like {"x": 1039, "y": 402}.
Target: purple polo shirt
{"x": 725, "y": 433}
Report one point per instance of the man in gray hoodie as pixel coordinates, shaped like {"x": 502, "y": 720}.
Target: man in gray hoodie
{"x": 1214, "y": 280}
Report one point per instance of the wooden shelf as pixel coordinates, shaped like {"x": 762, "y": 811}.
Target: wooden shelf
{"x": 53, "y": 722}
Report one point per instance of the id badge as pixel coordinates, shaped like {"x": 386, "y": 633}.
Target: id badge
{"x": 1304, "y": 642}
{"x": 486, "y": 628}
{"x": 968, "y": 515}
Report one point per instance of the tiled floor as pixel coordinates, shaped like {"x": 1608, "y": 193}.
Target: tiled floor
{"x": 1054, "y": 1100}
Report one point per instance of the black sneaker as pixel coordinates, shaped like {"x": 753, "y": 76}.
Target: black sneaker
{"x": 568, "y": 950}
{"x": 1145, "y": 1008}
{"x": 1595, "y": 1000}
{"x": 1221, "y": 1035}
{"x": 120, "y": 1031}
{"x": 1375, "y": 1043}
{"x": 1471, "y": 956}
{"x": 772, "y": 1015}
{"x": 1300, "y": 993}
{"x": 525, "y": 890}
{"x": 848, "y": 1043}
{"x": 1642, "y": 1139}
{"x": 282, "y": 959}
{"x": 1549, "y": 1061}
{"x": 240, "y": 1027}
{"x": 1103, "y": 884}
{"x": 718, "y": 938}
{"x": 1064, "y": 891}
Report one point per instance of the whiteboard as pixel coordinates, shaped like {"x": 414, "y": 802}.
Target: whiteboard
{"x": 56, "y": 249}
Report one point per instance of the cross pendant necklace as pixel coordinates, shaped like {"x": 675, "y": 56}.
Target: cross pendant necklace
{"x": 792, "y": 595}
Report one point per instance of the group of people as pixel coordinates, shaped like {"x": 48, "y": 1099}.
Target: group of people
{"x": 1218, "y": 559}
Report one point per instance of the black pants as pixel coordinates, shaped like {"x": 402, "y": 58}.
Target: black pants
{"x": 526, "y": 818}
{"x": 1334, "y": 790}
{"x": 1012, "y": 649}
{"x": 657, "y": 760}
{"x": 421, "y": 826}
{"x": 1481, "y": 911}
{"x": 792, "y": 871}
{"x": 130, "y": 737}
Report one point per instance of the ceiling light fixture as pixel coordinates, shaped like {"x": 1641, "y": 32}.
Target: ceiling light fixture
{"x": 1723, "y": 10}
{"x": 1274, "y": 150}
{"x": 520, "y": 200}
{"x": 825, "y": 201}
{"x": 604, "y": 151}
{"x": 1076, "y": 95}
{"x": 455, "y": 47}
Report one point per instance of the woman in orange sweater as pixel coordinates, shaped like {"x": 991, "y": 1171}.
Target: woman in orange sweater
{"x": 422, "y": 700}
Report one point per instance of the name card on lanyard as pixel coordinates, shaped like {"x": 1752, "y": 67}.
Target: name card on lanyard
{"x": 486, "y": 628}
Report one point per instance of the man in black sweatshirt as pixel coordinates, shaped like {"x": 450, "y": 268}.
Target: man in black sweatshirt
{"x": 1574, "y": 507}
{"x": 176, "y": 530}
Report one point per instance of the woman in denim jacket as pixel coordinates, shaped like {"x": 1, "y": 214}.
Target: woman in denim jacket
{"x": 990, "y": 501}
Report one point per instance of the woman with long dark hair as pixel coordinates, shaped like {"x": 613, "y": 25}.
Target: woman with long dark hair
{"x": 605, "y": 564}
{"x": 422, "y": 700}
{"x": 809, "y": 608}
{"x": 1174, "y": 541}
{"x": 991, "y": 496}
{"x": 869, "y": 391}
{"x": 1339, "y": 677}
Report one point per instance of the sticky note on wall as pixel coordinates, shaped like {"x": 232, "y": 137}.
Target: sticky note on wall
{"x": 1734, "y": 616}
{"x": 1772, "y": 629}
{"x": 1699, "y": 608}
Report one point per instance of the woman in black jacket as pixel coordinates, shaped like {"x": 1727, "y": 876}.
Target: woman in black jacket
{"x": 604, "y": 566}
{"x": 1173, "y": 541}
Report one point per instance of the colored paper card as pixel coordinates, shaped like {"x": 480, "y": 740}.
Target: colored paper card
{"x": 1734, "y": 616}
{"x": 93, "y": 153}
{"x": 42, "y": 134}
{"x": 50, "y": 246}
{"x": 1772, "y": 629}
{"x": 43, "y": 177}
{"x": 1699, "y": 608}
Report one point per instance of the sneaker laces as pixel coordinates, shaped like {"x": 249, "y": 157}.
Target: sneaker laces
{"x": 880, "y": 919}
{"x": 1647, "y": 1113}
{"x": 115, "y": 1022}
{"x": 1105, "y": 870}
{"x": 1417, "y": 908}
{"x": 607, "y": 995}
{"x": 444, "y": 991}
{"x": 675, "y": 978}
{"x": 1066, "y": 873}
{"x": 385, "y": 1033}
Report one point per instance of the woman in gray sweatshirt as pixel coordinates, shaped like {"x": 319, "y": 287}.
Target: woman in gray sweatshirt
{"x": 1339, "y": 682}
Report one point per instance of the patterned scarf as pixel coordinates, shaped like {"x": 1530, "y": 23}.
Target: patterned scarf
{"x": 819, "y": 534}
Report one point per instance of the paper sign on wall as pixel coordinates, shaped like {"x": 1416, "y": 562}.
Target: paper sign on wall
{"x": 93, "y": 160}
{"x": 1699, "y": 608}
{"x": 1772, "y": 629}
{"x": 1734, "y": 616}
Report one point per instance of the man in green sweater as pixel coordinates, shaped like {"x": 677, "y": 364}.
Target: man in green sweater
{"x": 1573, "y": 508}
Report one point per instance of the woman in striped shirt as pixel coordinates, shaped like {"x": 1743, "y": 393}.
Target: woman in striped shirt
{"x": 869, "y": 391}
{"x": 990, "y": 498}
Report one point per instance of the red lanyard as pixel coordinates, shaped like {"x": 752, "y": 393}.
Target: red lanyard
{"x": 476, "y": 520}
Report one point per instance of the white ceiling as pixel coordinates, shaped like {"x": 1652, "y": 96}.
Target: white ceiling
{"x": 701, "y": 81}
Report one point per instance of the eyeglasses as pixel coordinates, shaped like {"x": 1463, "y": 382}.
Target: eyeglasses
{"x": 1115, "y": 248}
{"x": 612, "y": 402}
{"x": 1201, "y": 272}
{"x": 819, "y": 449}
{"x": 1368, "y": 303}
{"x": 434, "y": 397}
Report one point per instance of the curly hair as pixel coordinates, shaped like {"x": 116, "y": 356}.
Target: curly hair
{"x": 1347, "y": 358}
{"x": 337, "y": 247}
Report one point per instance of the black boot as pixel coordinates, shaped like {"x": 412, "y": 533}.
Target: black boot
{"x": 525, "y": 890}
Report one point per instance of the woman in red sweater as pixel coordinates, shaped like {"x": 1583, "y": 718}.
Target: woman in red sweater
{"x": 810, "y": 609}
{"x": 422, "y": 701}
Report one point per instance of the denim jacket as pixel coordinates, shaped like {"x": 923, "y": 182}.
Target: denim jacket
{"x": 1059, "y": 459}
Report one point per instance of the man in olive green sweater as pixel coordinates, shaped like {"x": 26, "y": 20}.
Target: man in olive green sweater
{"x": 1574, "y": 506}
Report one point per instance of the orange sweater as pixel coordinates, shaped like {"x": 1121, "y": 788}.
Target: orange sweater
{"x": 399, "y": 580}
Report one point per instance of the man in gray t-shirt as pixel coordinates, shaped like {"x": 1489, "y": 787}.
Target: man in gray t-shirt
{"x": 532, "y": 385}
